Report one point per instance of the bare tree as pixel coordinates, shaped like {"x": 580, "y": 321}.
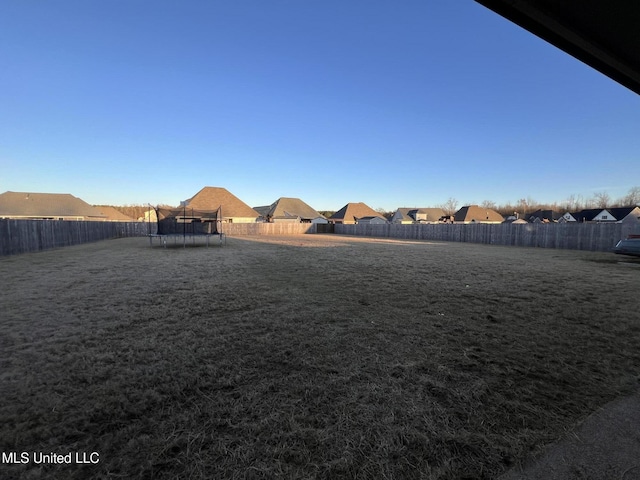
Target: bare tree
{"x": 489, "y": 204}
{"x": 523, "y": 206}
{"x": 385, "y": 213}
{"x": 600, "y": 200}
{"x": 573, "y": 203}
{"x": 632, "y": 198}
{"x": 450, "y": 206}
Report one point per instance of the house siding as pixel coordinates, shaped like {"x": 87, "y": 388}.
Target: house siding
{"x": 604, "y": 216}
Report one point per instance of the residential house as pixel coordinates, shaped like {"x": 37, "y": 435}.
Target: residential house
{"x": 232, "y": 209}
{"x": 290, "y": 210}
{"x": 417, "y": 215}
{"x": 544, "y": 216}
{"x": 625, "y": 214}
{"x": 569, "y": 217}
{"x": 372, "y": 220}
{"x": 586, "y": 215}
{"x": 477, "y": 214}
{"x": 150, "y": 216}
{"x": 614, "y": 214}
{"x": 114, "y": 215}
{"x": 47, "y": 206}
{"x": 514, "y": 219}
{"x": 263, "y": 211}
{"x": 351, "y": 212}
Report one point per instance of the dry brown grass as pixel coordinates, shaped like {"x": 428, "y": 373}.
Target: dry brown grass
{"x": 314, "y": 356}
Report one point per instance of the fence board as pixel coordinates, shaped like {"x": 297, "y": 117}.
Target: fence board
{"x": 575, "y": 236}
{"x": 234, "y": 229}
{"x": 22, "y": 236}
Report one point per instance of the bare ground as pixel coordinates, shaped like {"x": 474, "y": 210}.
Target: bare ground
{"x": 314, "y": 356}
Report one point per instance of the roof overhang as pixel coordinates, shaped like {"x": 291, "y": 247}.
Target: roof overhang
{"x": 604, "y": 35}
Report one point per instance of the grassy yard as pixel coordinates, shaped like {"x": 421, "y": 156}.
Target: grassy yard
{"x": 315, "y": 356}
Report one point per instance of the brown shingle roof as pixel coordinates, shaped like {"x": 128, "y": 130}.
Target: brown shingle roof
{"x": 292, "y": 207}
{"x": 46, "y": 205}
{"x": 114, "y": 214}
{"x": 475, "y": 213}
{"x": 352, "y": 211}
{"x": 210, "y": 198}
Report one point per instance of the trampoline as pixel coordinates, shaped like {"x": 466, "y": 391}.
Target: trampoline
{"x": 187, "y": 224}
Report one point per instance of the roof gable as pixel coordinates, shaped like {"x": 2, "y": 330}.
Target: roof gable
{"x": 586, "y": 215}
{"x": 210, "y": 198}
{"x": 292, "y": 207}
{"x": 475, "y": 213}
{"x": 428, "y": 214}
{"x": 402, "y": 214}
{"x": 352, "y": 211}
{"x": 416, "y": 214}
{"x": 621, "y": 213}
{"x": 549, "y": 215}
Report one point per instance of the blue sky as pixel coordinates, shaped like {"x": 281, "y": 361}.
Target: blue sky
{"x": 390, "y": 103}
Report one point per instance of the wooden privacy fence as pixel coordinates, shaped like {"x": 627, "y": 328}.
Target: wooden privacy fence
{"x": 22, "y": 236}
{"x": 576, "y": 236}
{"x": 233, "y": 229}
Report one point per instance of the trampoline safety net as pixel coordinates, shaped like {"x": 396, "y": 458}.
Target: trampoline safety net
{"x": 181, "y": 221}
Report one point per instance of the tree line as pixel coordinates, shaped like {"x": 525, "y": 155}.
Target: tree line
{"x": 573, "y": 203}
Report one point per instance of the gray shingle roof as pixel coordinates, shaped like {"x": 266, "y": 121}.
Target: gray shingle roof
{"x": 420, "y": 214}
{"x": 620, "y": 212}
{"x": 549, "y": 215}
{"x": 586, "y": 215}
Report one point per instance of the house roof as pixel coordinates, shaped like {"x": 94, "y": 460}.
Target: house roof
{"x": 114, "y": 214}
{"x": 46, "y": 205}
{"x": 621, "y": 212}
{"x": 210, "y": 198}
{"x": 475, "y": 213}
{"x": 263, "y": 210}
{"x": 550, "y": 215}
{"x": 352, "y": 211}
{"x": 372, "y": 218}
{"x": 432, "y": 214}
{"x": 586, "y": 215}
{"x": 291, "y": 207}
{"x": 403, "y": 213}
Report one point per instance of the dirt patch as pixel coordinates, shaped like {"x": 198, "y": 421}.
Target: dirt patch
{"x": 313, "y": 356}
{"x": 604, "y": 446}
